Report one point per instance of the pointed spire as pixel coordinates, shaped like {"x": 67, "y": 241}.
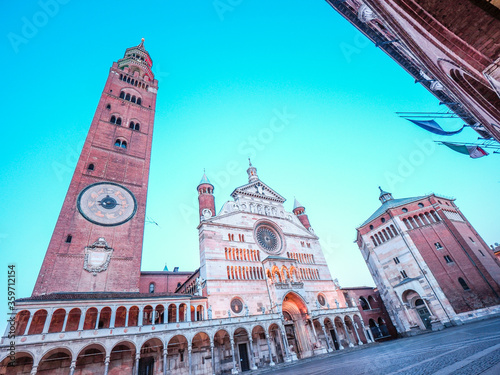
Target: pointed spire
{"x": 384, "y": 196}
{"x": 252, "y": 172}
{"x": 141, "y": 45}
{"x": 296, "y": 204}
{"x": 204, "y": 179}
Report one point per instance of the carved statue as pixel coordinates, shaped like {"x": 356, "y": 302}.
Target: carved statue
{"x": 209, "y": 312}
{"x": 247, "y": 311}
{"x": 337, "y": 303}
{"x": 199, "y": 288}
{"x": 228, "y": 313}
{"x": 318, "y": 306}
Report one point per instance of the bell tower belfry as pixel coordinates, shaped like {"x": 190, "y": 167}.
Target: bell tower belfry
{"x": 97, "y": 242}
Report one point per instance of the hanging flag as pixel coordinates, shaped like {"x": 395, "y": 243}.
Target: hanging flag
{"x": 473, "y": 151}
{"x": 434, "y": 127}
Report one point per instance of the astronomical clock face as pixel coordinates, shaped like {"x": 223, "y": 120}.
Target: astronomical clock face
{"x": 268, "y": 238}
{"x": 107, "y": 204}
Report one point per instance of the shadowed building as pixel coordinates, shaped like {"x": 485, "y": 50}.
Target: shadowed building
{"x": 450, "y": 47}
{"x": 431, "y": 267}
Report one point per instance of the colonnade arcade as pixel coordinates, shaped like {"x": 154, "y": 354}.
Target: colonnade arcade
{"x": 205, "y": 347}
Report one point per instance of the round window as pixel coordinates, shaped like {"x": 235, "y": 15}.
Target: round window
{"x": 321, "y": 299}
{"x": 383, "y": 220}
{"x": 268, "y": 238}
{"x": 405, "y": 210}
{"x": 371, "y": 226}
{"x": 236, "y": 305}
{"x": 420, "y": 205}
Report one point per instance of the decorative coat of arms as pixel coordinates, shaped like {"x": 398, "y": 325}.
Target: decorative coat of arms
{"x": 97, "y": 256}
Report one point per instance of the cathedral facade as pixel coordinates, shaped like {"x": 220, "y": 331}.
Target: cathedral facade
{"x": 431, "y": 267}
{"x": 263, "y": 293}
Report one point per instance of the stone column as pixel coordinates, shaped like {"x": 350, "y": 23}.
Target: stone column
{"x": 65, "y": 322}
{"x": 188, "y": 308}
{"x": 113, "y": 318}
{"x": 153, "y": 316}
{"x": 285, "y": 344}
{"x": 82, "y": 320}
{"x": 136, "y": 367}
{"x": 30, "y": 319}
{"x": 97, "y": 319}
{"x": 356, "y": 331}
{"x": 47, "y": 322}
{"x": 252, "y": 358}
{"x": 235, "y": 370}
{"x": 213, "y": 359}
{"x": 368, "y": 340}
{"x": 106, "y": 365}
{"x": 351, "y": 345}
{"x": 326, "y": 338}
{"x": 127, "y": 312}
{"x": 140, "y": 319}
{"x": 378, "y": 328}
{"x": 34, "y": 369}
{"x": 165, "y": 352}
{"x": 72, "y": 368}
{"x": 177, "y": 313}
{"x": 271, "y": 362}
{"x": 337, "y": 335}
{"x": 189, "y": 358}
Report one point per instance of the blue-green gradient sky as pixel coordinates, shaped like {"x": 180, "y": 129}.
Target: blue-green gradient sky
{"x": 223, "y": 77}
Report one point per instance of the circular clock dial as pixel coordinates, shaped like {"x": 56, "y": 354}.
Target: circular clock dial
{"x": 107, "y": 204}
{"x": 268, "y": 238}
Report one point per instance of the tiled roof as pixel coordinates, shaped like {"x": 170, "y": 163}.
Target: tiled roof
{"x": 391, "y": 204}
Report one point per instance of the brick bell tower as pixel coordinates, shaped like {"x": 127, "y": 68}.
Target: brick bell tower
{"x": 206, "y": 198}
{"x": 97, "y": 242}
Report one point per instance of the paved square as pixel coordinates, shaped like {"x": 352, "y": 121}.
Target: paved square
{"x": 466, "y": 350}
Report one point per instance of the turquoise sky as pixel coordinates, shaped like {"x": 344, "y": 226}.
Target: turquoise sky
{"x": 225, "y": 72}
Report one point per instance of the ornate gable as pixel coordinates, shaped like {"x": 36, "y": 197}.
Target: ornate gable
{"x": 258, "y": 189}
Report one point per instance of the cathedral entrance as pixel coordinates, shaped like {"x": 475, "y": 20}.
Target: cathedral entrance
{"x": 424, "y": 314}
{"x": 297, "y": 325}
{"x": 244, "y": 362}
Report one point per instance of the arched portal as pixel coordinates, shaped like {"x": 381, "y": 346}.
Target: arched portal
{"x": 298, "y": 326}
{"x": 151, "y": 360}
{"x": 201, "y": 354}
{"x": 23, "y": 364}
{"x": 122, "y": 358}
{"x": 418, "y": 309}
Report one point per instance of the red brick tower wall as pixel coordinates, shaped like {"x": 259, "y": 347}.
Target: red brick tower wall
{"x": 206, "y": 198}
{"x": 484, "y": 290}
{"x": 304, "y": 220}
{"x": 62, "y": 269}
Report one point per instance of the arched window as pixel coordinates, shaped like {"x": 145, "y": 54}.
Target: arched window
{"x": 128, "y": 80}
{"x": 108, "y": 106}
{"x": 119, "y": 121}
{"x": 137, "y": 127}
{"x": 120, "y": 143}
{"x": 127, "y": 97}
{"x": 131, "y": 125}
{"x": 139, "y": 101}
{"x": 90, "y": 167}
{"x": 122, "y": 95}
{"x": 133, "y": 99}
{"x": 364, "y": 304}
{"x": 112, "y": 120}
{"x": 151, "y": 287}
{"x": 463, "y": 283}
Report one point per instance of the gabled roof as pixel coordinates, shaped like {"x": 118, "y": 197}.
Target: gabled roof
{"x": 258, "y": 189}
{"x": 391, "y": 204}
